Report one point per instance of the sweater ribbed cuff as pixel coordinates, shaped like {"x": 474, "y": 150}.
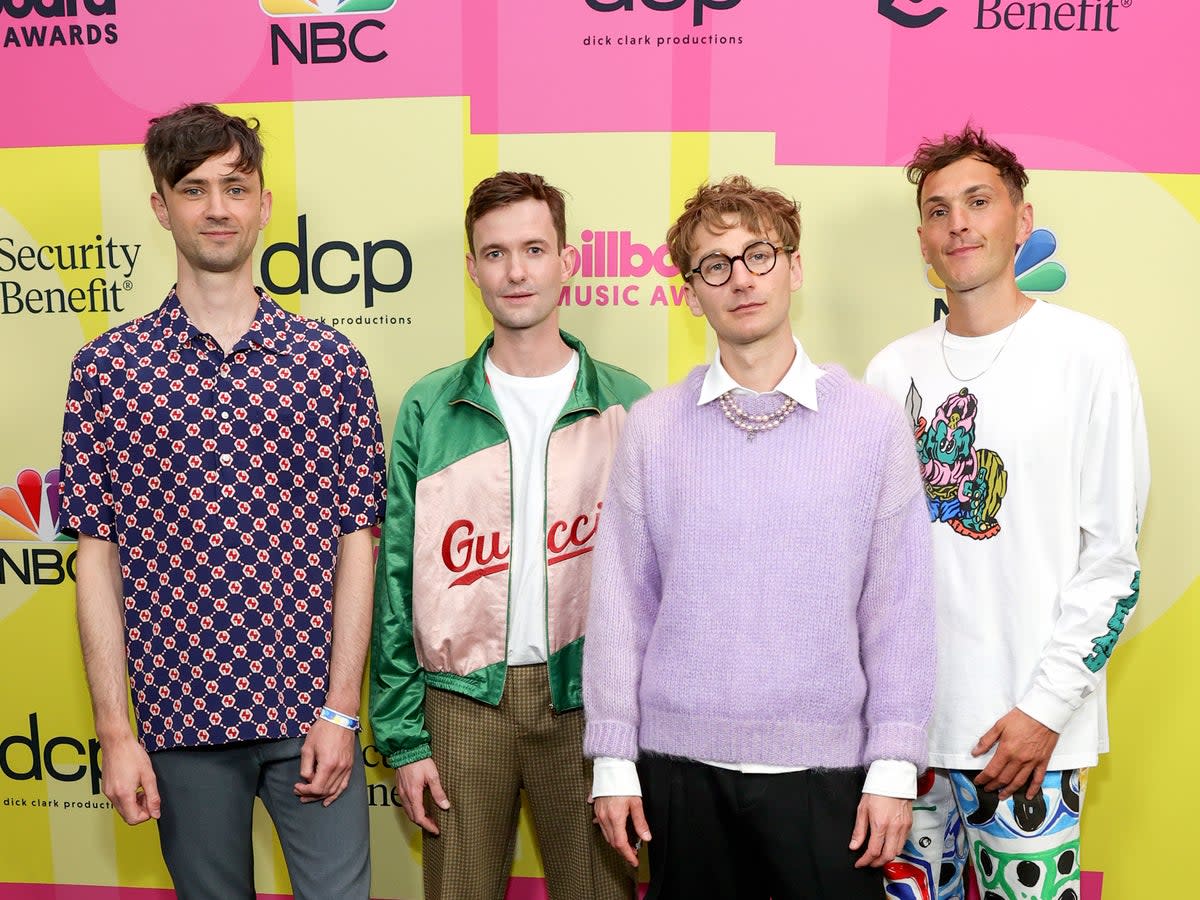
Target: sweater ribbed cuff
{"x": 617, "y": 739}
{"x": 897, "y": 740}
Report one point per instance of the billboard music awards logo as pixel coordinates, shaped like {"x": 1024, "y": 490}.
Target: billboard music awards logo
{"x": 614, "y": 268}
{"x": 1036, "y": 272}
{"x": 57, "y": 23}
{"x": 669, "y": 39}
{"x": 29, "y": 513}
{"x": 22, "y": 292}
{"x": 327, "y": 41}
{"x": 1014, "y": 15}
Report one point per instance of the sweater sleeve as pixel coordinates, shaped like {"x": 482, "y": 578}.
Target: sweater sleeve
{"x": 1097, "y": 601}
{"x": 896, "y": 614}
{"x": 397, "y": 683}
{"x": 623, "y": 606}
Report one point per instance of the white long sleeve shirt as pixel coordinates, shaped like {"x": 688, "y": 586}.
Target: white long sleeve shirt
{"x": 1037, "y": 472}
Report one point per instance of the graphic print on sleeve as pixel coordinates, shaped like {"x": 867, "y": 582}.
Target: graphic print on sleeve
{"x": 963, "y": 486}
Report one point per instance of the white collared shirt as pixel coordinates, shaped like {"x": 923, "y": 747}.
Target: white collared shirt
{"x": 799, "y": 382}
{"x": 613, "y": 777}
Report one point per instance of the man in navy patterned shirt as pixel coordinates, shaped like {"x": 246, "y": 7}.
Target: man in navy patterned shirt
{"x": 223, "y": 466}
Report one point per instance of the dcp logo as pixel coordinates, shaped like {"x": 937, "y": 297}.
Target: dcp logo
{"x": 698, "y": 6}
{"x": 323, "y": 7}
{"x": 909, "y": 13}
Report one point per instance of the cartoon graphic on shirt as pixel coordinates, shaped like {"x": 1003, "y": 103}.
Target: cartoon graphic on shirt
{"x": 963, "y": 486}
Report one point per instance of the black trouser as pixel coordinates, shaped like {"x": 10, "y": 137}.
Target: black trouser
{"x": 722, "y": 834}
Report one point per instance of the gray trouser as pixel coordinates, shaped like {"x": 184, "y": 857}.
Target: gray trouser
{"x": 207, "y": 808}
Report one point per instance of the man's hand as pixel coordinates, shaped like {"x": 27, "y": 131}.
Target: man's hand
{"x": 1021, "y": 758}
{"x": 888, "y": 820}
{"x": 411, "y": 781}
{"x": 128, "y": 781}
{"x": 325, "y": 762}
{"x": 616, "y": 815}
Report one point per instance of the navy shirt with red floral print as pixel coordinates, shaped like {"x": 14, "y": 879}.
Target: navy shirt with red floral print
{"x": 226, "y": 480}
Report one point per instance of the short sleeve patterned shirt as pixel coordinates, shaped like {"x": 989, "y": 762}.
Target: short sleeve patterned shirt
{"x": 226, "y": 481}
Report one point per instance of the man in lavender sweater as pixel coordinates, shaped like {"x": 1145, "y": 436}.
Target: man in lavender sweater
{"x": 760, "y": 635}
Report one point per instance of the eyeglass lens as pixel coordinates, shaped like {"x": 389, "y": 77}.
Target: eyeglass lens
{"x": 759, "y": 258}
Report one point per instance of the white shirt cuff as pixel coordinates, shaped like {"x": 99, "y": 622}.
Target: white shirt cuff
{"x": 1038, "y": 703}
{"x": 612, "y": 777}
{"x": 892, "y": 778}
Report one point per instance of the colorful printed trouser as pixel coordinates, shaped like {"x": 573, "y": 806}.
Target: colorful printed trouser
{"x": 1020, "y": 849}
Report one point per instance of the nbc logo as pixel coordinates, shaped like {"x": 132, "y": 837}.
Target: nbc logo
{"x": 29, "y": 510}
{"x": 1036, "y": 272}
{"x": 323, "y": 7}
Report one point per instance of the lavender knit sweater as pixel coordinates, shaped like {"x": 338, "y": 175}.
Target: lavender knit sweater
{"x": 767, "y": 601}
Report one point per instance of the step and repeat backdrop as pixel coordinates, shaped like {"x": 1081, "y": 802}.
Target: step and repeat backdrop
{"x": 380, "y": 115}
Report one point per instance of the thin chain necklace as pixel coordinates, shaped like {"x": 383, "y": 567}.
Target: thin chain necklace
{"x": 752, "y": 424}
{"x": 1012, "y": 329}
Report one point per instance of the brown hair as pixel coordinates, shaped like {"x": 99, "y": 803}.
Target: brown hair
{"x": 504, "y": 188}
{"x": 182, "y": 140}
{"x": 970, "y": 143}
{"x": 760, "y": 210}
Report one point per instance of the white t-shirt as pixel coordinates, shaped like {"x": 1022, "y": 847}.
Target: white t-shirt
{"x": 1037, "y": 471}
{"x": 529, "y": 407}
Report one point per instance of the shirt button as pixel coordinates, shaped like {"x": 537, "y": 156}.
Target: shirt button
{"x": 226, "y": 459}
{"x": 224, "y": 414}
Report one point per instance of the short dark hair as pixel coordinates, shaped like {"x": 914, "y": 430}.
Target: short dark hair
{"x": 504, "y": 188}
{"x": 182, "y": 140}
{"x": 757, "y": 209}
{"x": 970, "y": 143}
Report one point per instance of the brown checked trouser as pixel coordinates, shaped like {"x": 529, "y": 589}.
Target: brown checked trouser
{"x": 485, "y": 755}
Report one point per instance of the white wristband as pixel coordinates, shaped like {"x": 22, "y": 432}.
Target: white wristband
{"x": 337, "y": 718}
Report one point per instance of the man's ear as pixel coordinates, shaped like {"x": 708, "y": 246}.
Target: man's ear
{"x": 264, "y": 211}
{"x": 797, "y": 268}
{"x": 567, "y": 257}
{"x": 693, "y": 301}
{"x": 160, "y": 210}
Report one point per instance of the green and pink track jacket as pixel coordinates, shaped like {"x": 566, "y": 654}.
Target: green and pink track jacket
{"x": 442, "y": 581}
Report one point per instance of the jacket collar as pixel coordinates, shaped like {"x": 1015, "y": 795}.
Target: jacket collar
{"x": 473, "y": 384}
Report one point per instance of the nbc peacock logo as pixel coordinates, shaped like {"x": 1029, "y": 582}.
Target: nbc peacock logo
{"x": 29, "y": 510}
{"x": 324, "y": 7}
{"x": 1036, "y": 272}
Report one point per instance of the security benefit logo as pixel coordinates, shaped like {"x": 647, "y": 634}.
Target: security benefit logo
{"x": 33, "y": 276}
{"x": 331, "y": 41}
{"x": 1097, "y": 16}
{"x": 57, "y": 23}
{"x": 911, "y": 13}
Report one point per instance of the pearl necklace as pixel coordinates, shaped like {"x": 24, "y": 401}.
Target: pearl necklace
{"x": 752, "y": 424}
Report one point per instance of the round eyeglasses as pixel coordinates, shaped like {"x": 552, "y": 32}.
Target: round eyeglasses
{"x": 758, "y": 258}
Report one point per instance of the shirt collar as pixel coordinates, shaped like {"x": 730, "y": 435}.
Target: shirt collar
{"x": 269, "y": 330}
{"x": 799, "y": 382}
